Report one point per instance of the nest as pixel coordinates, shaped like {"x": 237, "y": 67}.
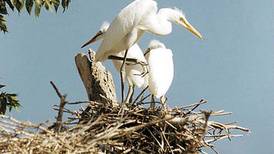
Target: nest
{"x": 108, "y": 128}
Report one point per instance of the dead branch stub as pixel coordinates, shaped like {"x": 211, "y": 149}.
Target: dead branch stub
{"x": 96, "y": 79}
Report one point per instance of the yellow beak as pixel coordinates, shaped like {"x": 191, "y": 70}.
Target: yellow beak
{"x": 189, "y": 27}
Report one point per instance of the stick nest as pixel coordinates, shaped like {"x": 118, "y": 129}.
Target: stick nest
{"x": 108, "y": 128}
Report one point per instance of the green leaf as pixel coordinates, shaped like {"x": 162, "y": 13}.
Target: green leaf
{"x": 8, "y": 100}
{"x": 29, "y": 5}
{"x": 3, "y": 9}
{"x": 3, "y": 103}
{"x": 2, "y": 86}
{"x": 3, "y": 26}
{"x": 19, "y": 4}
{"x": 13, "y": 96}
{"x": 47, "y": 4}
{"x": 38, "y": 6}
{"x": 10, "y": 4}
{"x": 56, "y": 4}
{"x": 65, "y": 4}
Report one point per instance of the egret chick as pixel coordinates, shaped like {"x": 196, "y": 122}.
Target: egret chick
{"x": 134, "y": 73}
{"x": 161, "y": 70}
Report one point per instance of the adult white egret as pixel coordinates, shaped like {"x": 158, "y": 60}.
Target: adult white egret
{"x": 133, "y": 72}
{"x": 131, "y": 23}
{"x": 161, "y": 69}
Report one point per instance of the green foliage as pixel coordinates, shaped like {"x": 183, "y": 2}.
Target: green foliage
{"x": 19, "y": 5}
{"x": 8, "y": 101}
{"x": 3, "y": 26}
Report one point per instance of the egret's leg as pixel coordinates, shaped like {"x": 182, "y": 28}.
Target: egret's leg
{"x": 129, "y": 94}
{"x": 131, "y": 97}
{"x": 140, "y": 95}
{"x": 163, "y": 101}
{"x": 152, "y": 104}
{"x": 122, "y": 74}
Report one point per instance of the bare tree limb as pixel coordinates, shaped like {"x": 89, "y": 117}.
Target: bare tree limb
{"x": 59, "y": 120}
{"x": 96, "y": 79}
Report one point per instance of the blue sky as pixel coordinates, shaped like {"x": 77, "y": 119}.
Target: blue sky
{"x": 232, "y": 67}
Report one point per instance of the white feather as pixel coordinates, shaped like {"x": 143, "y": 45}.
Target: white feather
{"x": 161, "y": 70}
{"x": 179, "y": 11}
{"x": 133, "y": 72}
{"x": 153, "y": 44}
{"x": 135, "y": 19}
{"x": 122, "y": 32}
{"x": 104, "y": 27}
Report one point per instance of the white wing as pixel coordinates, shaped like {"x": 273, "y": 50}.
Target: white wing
{"x": 123, "y": 24}
{"x": 161, "y": 71}
{"x": 134, "y": 72}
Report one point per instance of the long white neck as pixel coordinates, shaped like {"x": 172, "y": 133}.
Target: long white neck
{"x": 159, "y": 23}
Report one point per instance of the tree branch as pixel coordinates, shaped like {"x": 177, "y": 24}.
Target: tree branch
{"x": 58, "y": 125}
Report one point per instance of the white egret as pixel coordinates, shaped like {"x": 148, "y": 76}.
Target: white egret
{"x": 131, "y": 23}
{"x": 133, "y": 72}
{"x": 161, "y": 69}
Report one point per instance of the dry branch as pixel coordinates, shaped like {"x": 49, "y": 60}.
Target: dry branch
{"x": 96, "y": 79}
{"x": 58, "y": 125}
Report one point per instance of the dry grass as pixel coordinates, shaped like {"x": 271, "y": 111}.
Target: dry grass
{"x": 103, "y": 127}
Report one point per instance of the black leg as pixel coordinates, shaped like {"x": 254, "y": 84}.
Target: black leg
{"x": 140, "y": 95}
{"x": 122, "y": 73}
{"x": 152, "y": 105}
{"x": 131, "y": 97}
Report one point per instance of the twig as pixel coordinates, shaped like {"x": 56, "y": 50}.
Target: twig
{"x": 142, "y": 92}
{"x": 78, "y": 102}
{"x": 59, "y": 119}
{"x": 197, "y": 105}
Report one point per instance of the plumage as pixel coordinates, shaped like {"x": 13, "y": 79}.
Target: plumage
{"x": 123, "y": 31}
{"x": 133, "y": 72}
{"x": 130, "y": 24}
{"x": 135, "y": 19}
{"x": 161, "y": 68}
